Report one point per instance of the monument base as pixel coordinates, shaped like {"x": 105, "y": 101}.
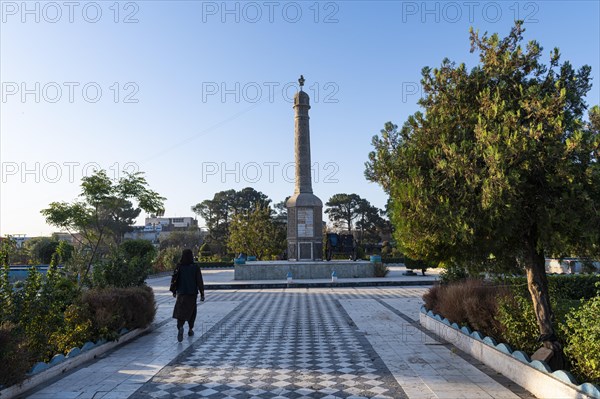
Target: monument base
{"x": 302, "y": 270}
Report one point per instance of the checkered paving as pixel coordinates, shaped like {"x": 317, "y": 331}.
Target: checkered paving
{"x": 278, "y": 345}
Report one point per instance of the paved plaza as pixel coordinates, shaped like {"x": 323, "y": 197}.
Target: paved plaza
{"x": 287, "y": 343}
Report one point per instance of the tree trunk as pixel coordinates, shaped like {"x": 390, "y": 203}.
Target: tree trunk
{"x": 537, "y": 282}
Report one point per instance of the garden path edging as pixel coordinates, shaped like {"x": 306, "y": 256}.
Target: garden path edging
{"x": 534, "y": 376}
{"x": 41, "y": 377}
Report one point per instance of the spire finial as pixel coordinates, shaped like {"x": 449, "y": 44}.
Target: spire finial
{"x": 301, "y": 81}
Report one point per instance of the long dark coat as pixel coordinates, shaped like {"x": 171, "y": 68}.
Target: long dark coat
{"x": 184, "y": 307}
{"x": 188, "y": 282}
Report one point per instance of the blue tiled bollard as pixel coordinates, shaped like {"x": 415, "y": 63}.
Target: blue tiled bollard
{"x": 73, "y": 352}
{"x": 57, "y": 359}
{"x": 87, "y": 346}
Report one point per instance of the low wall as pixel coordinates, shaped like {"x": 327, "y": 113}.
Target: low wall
{"x": 567, "y": 266}
{"x": 278, "y": 270}
{"x": 535, "y": 376}
{"x": 61, "y": 364}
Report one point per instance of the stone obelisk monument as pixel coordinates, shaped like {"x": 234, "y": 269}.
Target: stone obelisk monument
{"x": 305, "y": 210}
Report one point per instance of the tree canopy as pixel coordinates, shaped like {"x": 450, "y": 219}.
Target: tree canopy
{"x": 218, "y": 212}
{"x": 343, "y": 209}
{"x": 257, "y": 233}
{"x": 182, "y": 239}
{"x": 104, "y": 211}
{"x": 501, "y": 168}
{"x": 352, "y": 213}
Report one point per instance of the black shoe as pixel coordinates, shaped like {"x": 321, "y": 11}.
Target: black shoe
{"x": 191, "y": 333}
{"x": 180, "y": 335}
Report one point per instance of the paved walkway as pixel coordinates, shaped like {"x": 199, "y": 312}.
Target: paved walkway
{"x": 287, "y": 343}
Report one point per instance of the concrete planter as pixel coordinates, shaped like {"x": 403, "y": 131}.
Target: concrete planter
{"x": 279, "y": 270}
{"x": 42, "y": 372}
{"x": 535, "y": 376}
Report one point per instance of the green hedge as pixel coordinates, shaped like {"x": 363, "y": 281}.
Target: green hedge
{"x": 561, "y": 286}
{"x": 515, "y": 312}
{"x": 208, "y": 265}
{"x": 582, "y": 333}
{"x": 392, "y": 260}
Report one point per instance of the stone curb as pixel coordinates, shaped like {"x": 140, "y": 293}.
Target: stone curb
{"x": 535, "y": 376}
{"x": 249, "y": 285}
{"x": 68, "y": 364}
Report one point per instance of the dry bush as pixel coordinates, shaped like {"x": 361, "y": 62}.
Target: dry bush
{"x": 471, "y": 302}
{"x": 431, "y": 297}
{"x": 115, "y": 308}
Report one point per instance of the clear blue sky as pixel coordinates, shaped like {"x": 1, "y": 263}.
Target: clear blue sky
{"x": 169, "y": 66}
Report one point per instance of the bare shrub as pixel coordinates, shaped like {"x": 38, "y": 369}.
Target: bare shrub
{"x": 471, "y": 302}
{"x": 115, "y": 308}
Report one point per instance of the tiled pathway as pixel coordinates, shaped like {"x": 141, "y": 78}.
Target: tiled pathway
{"x": 285, "y": 345}
{"x": 288, "y": 343}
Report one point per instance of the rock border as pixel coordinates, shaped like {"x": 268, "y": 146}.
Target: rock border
{"x": 41, "y": 372}
{"x": 535, "y": 376}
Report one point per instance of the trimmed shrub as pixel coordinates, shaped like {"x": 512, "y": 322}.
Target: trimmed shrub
{"x": 431, "y": 297}
{"x": 582, "y": 334}
{"x": 453, "y": 274}
{"x": 561, "y": 286}
{"x": 205, "y": 251}
{"x": 578, "y": 286}
{"x": 472, "y": 303}
{"x": 115, "y": 308}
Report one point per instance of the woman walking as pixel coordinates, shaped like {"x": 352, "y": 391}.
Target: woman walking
{"x": 185, "y": 284}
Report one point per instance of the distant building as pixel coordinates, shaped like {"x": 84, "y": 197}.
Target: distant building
{"x": 175, "y": 223}
{"x": 159, "y": 227}
{"x": 19, "y": 239}
{"x": 68, "y": 237}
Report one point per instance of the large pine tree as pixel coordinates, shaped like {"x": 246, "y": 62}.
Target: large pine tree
{"x": 500, "y": 168}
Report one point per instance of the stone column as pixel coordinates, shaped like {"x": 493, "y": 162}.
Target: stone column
{"x": 305, "y": 210}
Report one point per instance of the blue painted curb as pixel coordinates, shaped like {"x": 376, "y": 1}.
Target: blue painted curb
{"x": 59, "y": 358}
{"x": 562, "y": 375}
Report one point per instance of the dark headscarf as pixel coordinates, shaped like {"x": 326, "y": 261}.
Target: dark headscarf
{"x": 187, "y": 257}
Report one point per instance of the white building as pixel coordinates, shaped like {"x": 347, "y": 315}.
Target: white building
{"x": 167, "y": 223}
